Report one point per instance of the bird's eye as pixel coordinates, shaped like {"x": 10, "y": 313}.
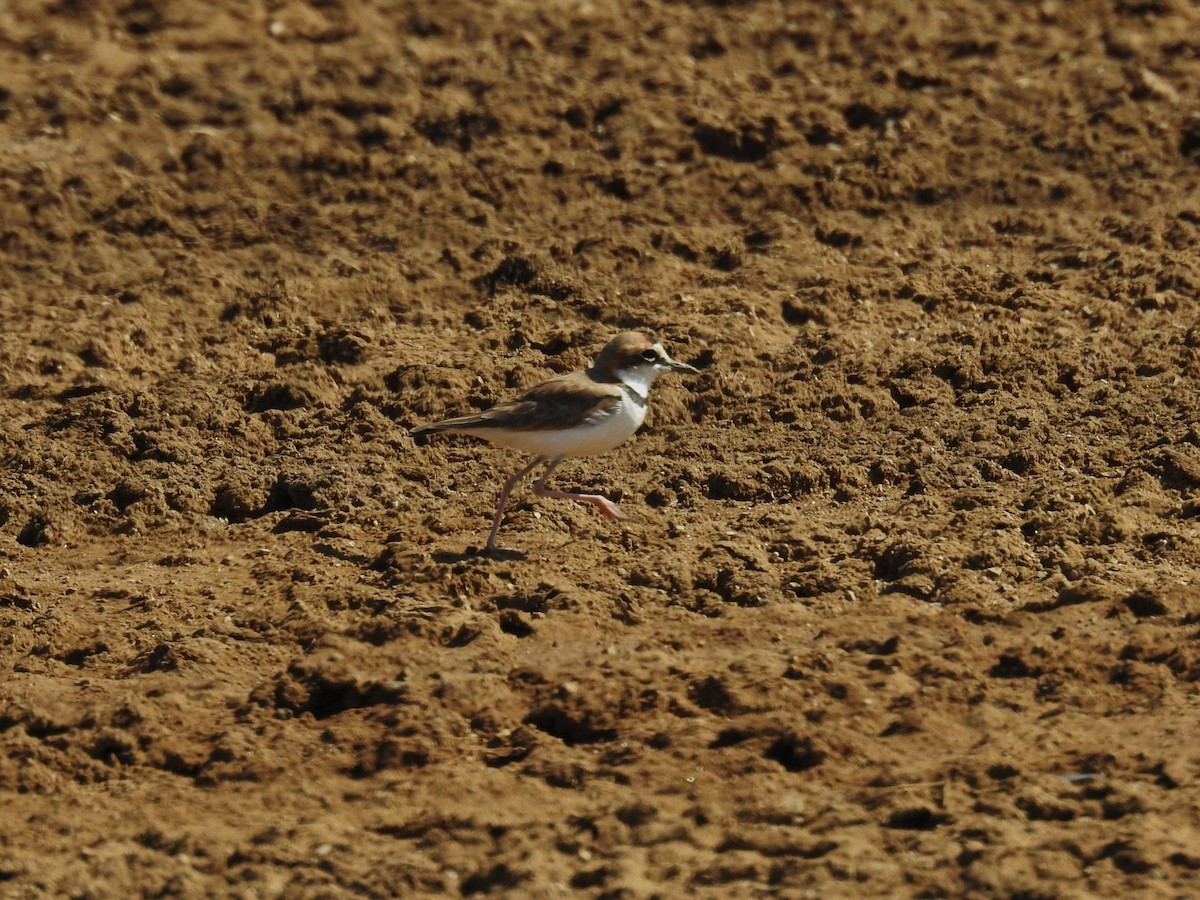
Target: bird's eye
{"x": 650, "y": 355}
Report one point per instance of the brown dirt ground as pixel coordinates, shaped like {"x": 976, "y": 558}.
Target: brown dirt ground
{"x": 907, "y": 601}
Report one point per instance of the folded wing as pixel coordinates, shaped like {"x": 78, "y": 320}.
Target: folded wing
{"x": 562, "y": 402}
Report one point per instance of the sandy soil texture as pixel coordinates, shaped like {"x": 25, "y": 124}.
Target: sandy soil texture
{"x": 907, "y": 601}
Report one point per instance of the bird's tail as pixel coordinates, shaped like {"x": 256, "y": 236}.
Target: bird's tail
{"x": 458, "y": 422}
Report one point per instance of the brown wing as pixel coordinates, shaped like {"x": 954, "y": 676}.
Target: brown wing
{"x": 563, "y": 401}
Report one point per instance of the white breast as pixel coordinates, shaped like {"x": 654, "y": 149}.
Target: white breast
{"x": 581, "y": 440}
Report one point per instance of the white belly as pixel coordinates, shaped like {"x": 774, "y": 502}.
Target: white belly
{"x": 582, "y": 440}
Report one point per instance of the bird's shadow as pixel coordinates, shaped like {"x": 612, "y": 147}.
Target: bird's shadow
{"x": 475, "y": 554}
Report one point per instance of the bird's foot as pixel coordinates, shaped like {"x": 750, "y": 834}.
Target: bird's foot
{"x": 608, "y": 509}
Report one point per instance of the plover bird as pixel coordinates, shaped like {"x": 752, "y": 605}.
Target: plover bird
{"x": 578, "y": 414}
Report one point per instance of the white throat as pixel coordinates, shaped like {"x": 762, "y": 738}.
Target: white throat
{"x": 639, "y": 379}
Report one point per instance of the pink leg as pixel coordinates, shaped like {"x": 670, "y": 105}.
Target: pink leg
{"x": 607, "y": 508}
{"x": 504, "y": 492}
